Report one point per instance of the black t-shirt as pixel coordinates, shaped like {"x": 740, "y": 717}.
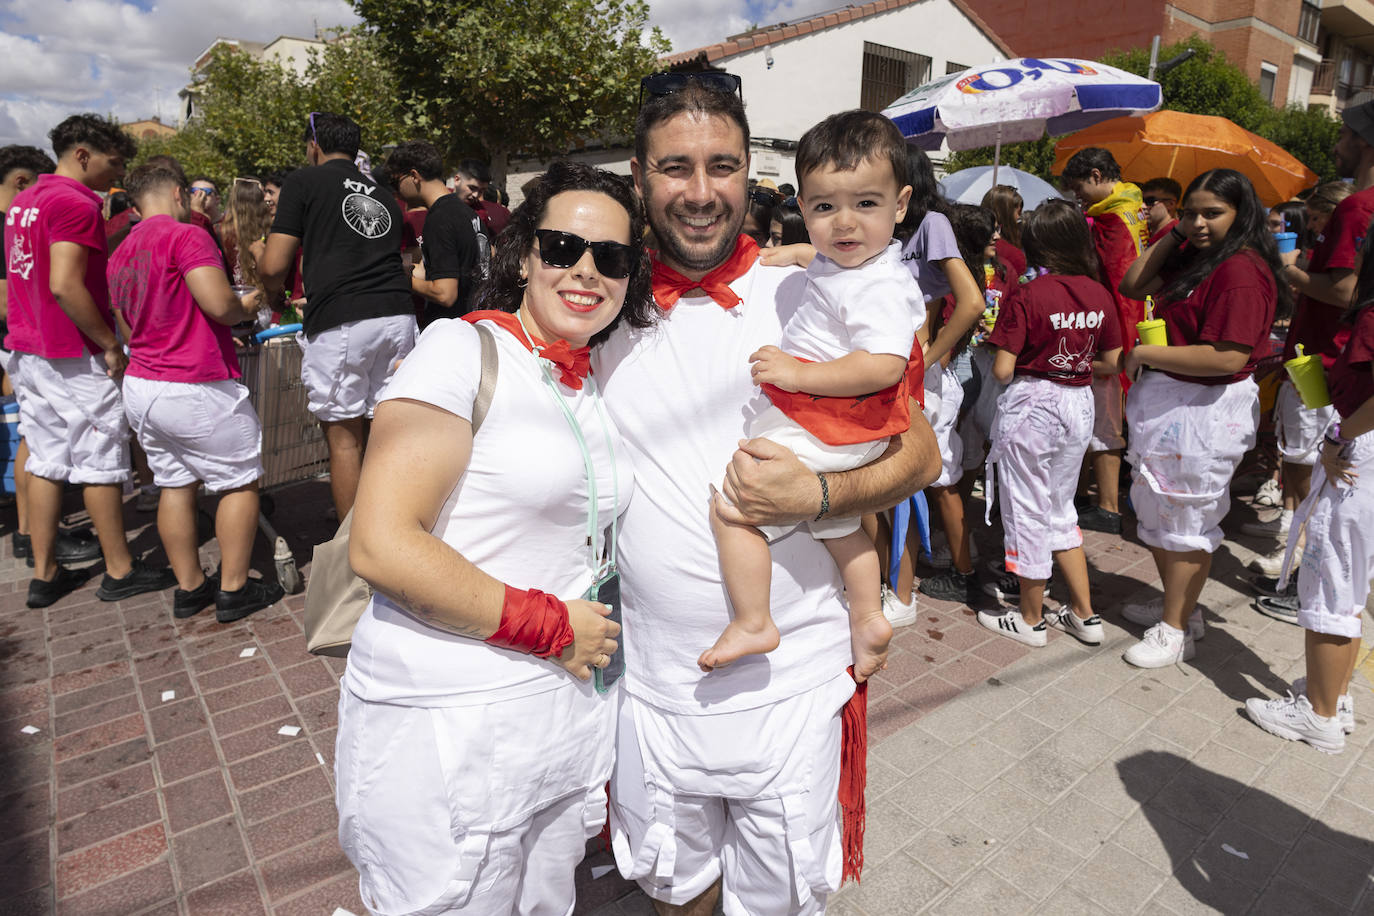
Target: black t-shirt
{"x": 350, "y": 232}
{"x": 450, "y": 250}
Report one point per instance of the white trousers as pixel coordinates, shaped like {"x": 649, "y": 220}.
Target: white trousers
{"x": 1107, "y": 415}
{"x": 73, "y": 419}
{"x": 749, "y": 797}
{"x": 1038, "y": 442}
{"x": 1186, "y": 441}
{"x": 1299, "y": 430}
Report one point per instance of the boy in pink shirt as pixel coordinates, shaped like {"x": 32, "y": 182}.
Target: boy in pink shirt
{"x": 66, "y": 358}
{"x": 182, "y": 395}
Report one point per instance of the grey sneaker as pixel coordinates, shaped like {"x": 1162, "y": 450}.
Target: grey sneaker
{"x": 951, "y": 585}
{"x": 1292, "y": 718}
{"x": 1283, "y": 608}
{"x": 1345, "y": 705}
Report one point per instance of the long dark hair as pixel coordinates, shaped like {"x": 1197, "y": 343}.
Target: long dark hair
{"x": 974, "y": 228}
{"x": 1250, "y": 229}
{"x": 1057, "y": 238}
{"x": 1364, "y": 282}
{"x": 793, "y": 224}
{"x": 1004, "y": 200}
{"x": 503, "y": 291}
{"x": 926, "y": 196}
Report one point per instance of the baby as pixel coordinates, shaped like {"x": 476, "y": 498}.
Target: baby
{"x": 837, "y": 382}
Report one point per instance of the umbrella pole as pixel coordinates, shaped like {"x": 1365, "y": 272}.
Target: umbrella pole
{"x": 997, "y": 155}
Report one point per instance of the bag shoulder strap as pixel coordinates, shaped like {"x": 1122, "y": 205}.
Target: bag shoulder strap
{"x": 486, "y": 384}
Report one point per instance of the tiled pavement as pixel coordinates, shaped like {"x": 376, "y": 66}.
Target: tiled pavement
{"x": 1001, "y": 779}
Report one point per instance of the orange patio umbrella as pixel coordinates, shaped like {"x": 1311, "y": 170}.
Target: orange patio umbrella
{"x": 1182, "y": 146}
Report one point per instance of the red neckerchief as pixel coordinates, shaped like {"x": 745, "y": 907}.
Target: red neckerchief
{"x": 669, "y": 285}
{"x": 574, "y": 364}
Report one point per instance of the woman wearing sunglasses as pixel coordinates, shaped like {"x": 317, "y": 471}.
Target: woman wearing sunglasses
{"x": 474, "y": 739}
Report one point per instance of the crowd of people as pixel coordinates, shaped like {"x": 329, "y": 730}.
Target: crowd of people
{"x": 581, "y": 503}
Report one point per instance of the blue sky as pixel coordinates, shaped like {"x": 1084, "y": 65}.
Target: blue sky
{"x": 129, "y": 57}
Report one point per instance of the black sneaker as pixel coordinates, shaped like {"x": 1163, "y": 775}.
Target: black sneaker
{"x": 141, "y": 579}
{"x": 951, "y": 585}
{"x": 254, "y": 596}
{"x": 1099, "y": 519}
{"x": 1006, "y": 587}
{"x": 69, "y": 548}
{"x": 1269, "y": 585}
{"x": 186, "y": 604}
{"x": 1285, "y": 609}
{"x": 42, "y": 594}
{"x": 22, "y": 546}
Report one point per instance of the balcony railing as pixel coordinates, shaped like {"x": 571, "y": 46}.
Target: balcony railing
{"x": 1324, "y": 78}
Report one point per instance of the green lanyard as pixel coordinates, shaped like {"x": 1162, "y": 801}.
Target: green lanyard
{"x": 599, "y": 568}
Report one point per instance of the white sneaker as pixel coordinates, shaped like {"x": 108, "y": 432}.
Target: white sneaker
{"x": 1345, "y": 705}
{"x": 1161, "y": 647}
{"x": 897, "y": 613}
{"x": 1269, "y": 495}
{"x": 1291, "y": 717}
{"x": 1271, "y": 564}
{"x": 1152, "y": 612}
{"x": 1087, "y": 631}
{"x": 1013, "y": 626}
{"x": 1276, "y": 527}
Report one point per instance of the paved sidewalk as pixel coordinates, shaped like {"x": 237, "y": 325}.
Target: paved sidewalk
{"x": 1001, "y": 779}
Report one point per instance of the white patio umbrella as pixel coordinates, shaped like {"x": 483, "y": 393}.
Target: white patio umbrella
{"x": 967, "y": 186}
{"x": 1015, "y": 100}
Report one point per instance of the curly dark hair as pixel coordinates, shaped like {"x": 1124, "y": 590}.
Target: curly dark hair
{"x": 502, "y": 289}
{"x": 30, "y": 158}
{"x": 92, "y": 130}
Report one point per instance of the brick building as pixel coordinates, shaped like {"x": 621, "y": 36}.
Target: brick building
{"x": 1306, "y": 52}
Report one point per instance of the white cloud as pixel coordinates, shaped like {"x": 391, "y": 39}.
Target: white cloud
{"x": 693, "y": 23}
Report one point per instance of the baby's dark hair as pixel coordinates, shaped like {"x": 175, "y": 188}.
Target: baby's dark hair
{"x": 844, "y": 140}
{"x": 1057, "y": 238}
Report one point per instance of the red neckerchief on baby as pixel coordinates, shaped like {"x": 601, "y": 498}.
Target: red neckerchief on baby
{"x": 573, "y": 363}
{"x": 669, "y": 285}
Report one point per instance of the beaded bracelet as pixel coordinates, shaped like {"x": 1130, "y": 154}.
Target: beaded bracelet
{"x": 825, "y": 497}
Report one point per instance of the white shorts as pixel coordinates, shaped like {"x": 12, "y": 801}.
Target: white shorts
{"x": 196, "y": 431}
{"x": 1338, "y": 561}
{"x": 1186, "y": 441}
{"x": 776, "y": 426}
{"x": 1107, "y": 415}
{"x": 73, "y": 419}
{"x": 344, "y": 368}
{"x": 1299, "y": 430}
{"x": 946, "y": 436}
{"x": 473, "y": 809}
{"x": 750, "y": 797}
{"x": 6, "y": 356}
{"x": 1041, "y": 435}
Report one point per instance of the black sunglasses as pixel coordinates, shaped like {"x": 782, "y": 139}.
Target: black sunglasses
{"x": 765, "y": 197}
{"x": 660, "y": 84}
{"x": 563, "y": 249}
{"x": 1151, "y": 201}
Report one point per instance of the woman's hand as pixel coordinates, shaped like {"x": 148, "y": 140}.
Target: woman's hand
{"x": 1134, "y": 363}
{"x": 593, "y": 638}
{"x": 774, "y": 367}
{"x": 1337, "y": 466}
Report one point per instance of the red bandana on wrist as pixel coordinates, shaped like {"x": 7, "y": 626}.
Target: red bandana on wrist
{"x": 574, "y": 364}
{"x": 669, "y": 285}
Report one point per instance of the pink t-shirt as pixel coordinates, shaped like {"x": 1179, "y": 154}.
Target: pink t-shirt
{"x": 55, "y": 209}
{"x": 1056, "y": 325}
{"x": 172, "y": 339}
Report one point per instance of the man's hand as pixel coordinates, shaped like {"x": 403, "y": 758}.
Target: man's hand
{"x": 774, "y": 367}
{"x": 767, "y": 485}
{"x": 115, "y": 361}
{"x": 1337, "y": 466}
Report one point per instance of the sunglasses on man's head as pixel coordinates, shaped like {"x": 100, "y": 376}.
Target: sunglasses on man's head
{"x": 765, "y": 197}
{"x": 1151, "y": 201}
{"x": 661, "y": 84}
{"x": 563, "y": 249}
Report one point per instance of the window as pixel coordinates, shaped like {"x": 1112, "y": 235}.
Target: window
{"x": 1269, "y": 75}
{"x": 1308, "y": 20}
{"x": 952, "y": 67}
{"x": 888, "y": 74}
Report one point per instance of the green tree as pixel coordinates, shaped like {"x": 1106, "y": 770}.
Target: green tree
{"x": 252, "y": 113}
{"x": 1207, "y": 83}
{"x": 535, "y": 77}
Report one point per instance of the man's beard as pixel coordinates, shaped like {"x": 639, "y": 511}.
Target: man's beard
{"x": 672, "y": 248}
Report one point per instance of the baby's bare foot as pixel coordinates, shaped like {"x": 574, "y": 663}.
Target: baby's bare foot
{"x": 869, "y": 637}
{"x": 737, "y": 641}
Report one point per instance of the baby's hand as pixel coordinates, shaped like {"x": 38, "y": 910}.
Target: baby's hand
{"x": 774, "y": 367}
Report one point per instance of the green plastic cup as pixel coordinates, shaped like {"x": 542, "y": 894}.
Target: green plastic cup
{"x": 1153, "y": 332}
{"x": 1310, "y": 380}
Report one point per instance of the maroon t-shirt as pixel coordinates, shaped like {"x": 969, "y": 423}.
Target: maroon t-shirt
{"x": 1013, "y": 257}
{"x": 1317, "y": 325}
{"x": 1056, "y": 325}
{"x": 1234, "y": 304}
{"x": 1351, "y": 378}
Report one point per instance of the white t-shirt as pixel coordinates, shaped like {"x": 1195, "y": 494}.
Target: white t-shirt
{"x": 872, "y": 307}
{"x": 677, "y": 391}
{"x": 519, "y": 512}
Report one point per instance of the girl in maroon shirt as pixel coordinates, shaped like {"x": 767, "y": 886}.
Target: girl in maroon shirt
{"x": 1338, "y": 516}
{"x": 1196, "y": 413}
{"x": 1052, "y": 335}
